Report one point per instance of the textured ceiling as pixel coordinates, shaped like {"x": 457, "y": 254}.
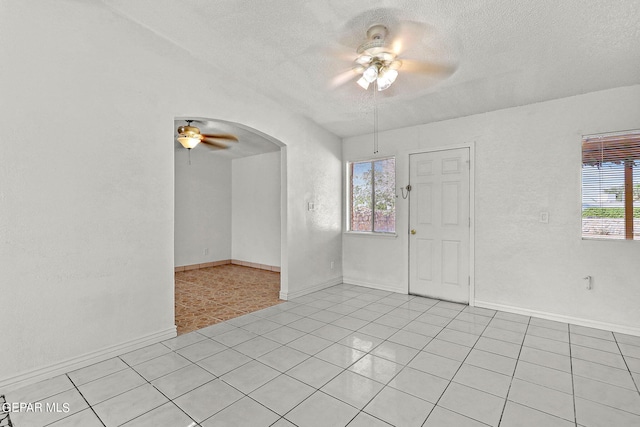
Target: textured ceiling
{"x": 507, "y": 52}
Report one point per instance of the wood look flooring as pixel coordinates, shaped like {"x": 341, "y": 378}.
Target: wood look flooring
{"x": 211, "y": 295}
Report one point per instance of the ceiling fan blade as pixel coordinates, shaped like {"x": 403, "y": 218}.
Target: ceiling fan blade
{"x": 342, "y": 78}
{"x": 214, "y": 143}
{"x": 225, "y": 136}
{"x": 423, "y": 67}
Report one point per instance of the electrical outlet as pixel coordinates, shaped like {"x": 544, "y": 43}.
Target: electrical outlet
{"x": 206, "y": 251}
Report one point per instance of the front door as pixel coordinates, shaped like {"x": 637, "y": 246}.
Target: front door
{"x": 439, "y": 224}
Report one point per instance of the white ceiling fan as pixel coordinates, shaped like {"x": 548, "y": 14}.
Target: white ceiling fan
{"x": 385, "y": 51}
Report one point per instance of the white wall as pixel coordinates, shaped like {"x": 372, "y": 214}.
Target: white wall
{"x": 87, "y": 197}
{"x": 528, "y": 160}
{"x": 255, "y": 202}
{"x": 202, "y": 207}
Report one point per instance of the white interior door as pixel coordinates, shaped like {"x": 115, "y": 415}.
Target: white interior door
{"x": 439, "y": 224}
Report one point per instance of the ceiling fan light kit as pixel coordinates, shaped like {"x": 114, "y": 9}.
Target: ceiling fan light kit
{"x": 375, "y": 61}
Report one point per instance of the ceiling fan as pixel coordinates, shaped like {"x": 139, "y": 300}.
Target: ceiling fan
{"x": 190, "y": 136}
{"x": 385, "y": 52}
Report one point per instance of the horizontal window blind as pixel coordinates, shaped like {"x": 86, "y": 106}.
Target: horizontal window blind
{"x": 611, "y": 186}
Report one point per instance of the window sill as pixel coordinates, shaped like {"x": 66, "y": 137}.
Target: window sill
{"x": 371, "y": 234}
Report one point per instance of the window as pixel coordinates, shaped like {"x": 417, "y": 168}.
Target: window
{"x": 372, "y": 196}
{"x": 611, "y": 186}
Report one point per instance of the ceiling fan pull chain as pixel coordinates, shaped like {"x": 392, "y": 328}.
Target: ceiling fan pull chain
{"x": 375, "y": 118}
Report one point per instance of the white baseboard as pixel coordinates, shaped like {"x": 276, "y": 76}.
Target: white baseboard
{"x": 379, "y": 286}
{"x": 630, "y": 330}
{"x": 320, "y": 286}
{"x": 46, "y": 372}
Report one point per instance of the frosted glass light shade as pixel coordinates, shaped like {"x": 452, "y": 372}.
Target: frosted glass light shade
{"x": 188, "y": 142}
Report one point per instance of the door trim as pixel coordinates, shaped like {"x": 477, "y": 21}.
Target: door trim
{"x": 405, "y": 156}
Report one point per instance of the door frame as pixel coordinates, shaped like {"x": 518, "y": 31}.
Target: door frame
{"x": 405, "y": 156}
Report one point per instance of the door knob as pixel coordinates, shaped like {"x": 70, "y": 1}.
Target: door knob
{"x": 413, "y": 231}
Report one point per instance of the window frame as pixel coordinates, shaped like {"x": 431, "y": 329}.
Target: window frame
{"x": 627, "y": 197}
{"x": 349, "y": 190}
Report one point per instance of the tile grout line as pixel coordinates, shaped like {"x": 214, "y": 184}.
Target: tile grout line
{"x": 85, "y": 399}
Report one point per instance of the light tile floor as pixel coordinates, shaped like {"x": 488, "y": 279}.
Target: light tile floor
{"x": 359, "y": 357}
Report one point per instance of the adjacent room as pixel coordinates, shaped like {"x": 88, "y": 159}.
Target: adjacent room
{"x": 314, "y": 213}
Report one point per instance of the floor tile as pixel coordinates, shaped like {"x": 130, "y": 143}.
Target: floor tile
{"x": 340, "y": 355}
{"x": 393, "y": 321}
{"x": 598, "y": 356}
{"x": 541, "y": 375}
{"x": 491, "y": 361}
{"x": 365, "y": 420}
{"x": 502, "y": 348}
{"x": 422, "y": 328}
{"x": 72, "y": 398}
{"x": 541, "y": 398}
{"x": 395, "y": 352}
{"x": 547, "y": 344}
{"x": 256, "y": 347}
{"x": 593, "y": 414}
{"x": 591, "y": 332}
{"x": 145, "y": 354}
{"x": 250, "y": 376}
{"x": 127, "y": 406}
{"x": 597, "y": 343}
{"x": 263, "y": 326}
{"x": 512, "y": 317}
{"x": 442, "y": 367}
{"x": 483, "y": 379}
{"x": 546, "y": 358}
{"x": 377, "y": 330}
{"x": 85, "y": 418}
{"x": 627, "y": 339}
{"x": 284, "y": 335}
{"x": 399, "y": 408}
{"x": 630, "y": 350}
{"x": 332, "y": 332}
{"x": 352, "y": 388}
{"x": 549, "y": 324}
{"x": 504, "y": 334}
{"x": 223, "y": 362}
{"x": 516, "y": 415}
{"x": 244, "y": 412}
{"x": 310, "y": 344}
{"x": 508, "y": 325}
{"x": 112, "y": 385}
{"x": 376, "y": 368}
{"x": 474, "y": 318}
{"x": 553, "y": 334}
{"x": 607, "y": 394}
{"x": 201, "y": 350}
{"x": 475, "y": 404}
{"x": 217, "y": 329}
{"x": 351, "y": 323}
{"x": 321, "y": 410}
{"x": 420, "y": 384}
{"x": 306, "y": 325}
{"x": 441, "y": 417}
{"x": 40, "y": 390}
{"x": 410, "y": 339}
{"x": 208, "y": 399}
{"x": 606, "y": 374}
{"x": 182, "y": 381}
{"x": 447, "y": 349}
{"x": 365, "y": 314}
{"x": 282, "y": 394}
{"x": 360, "y": 341}
{"x": 183, "y": 340}
{"x": 234, "y": 337}
{"x": 160, "y": 366}
{"x": 98, "y": 370}
{"x": 314, "y": 372}
{"x": 469, "y": 328}
{"x": 167, "y": 415}
{"x": 283, "y": 358}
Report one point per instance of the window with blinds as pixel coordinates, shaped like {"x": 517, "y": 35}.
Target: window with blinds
{"x": 611, "y": 186}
